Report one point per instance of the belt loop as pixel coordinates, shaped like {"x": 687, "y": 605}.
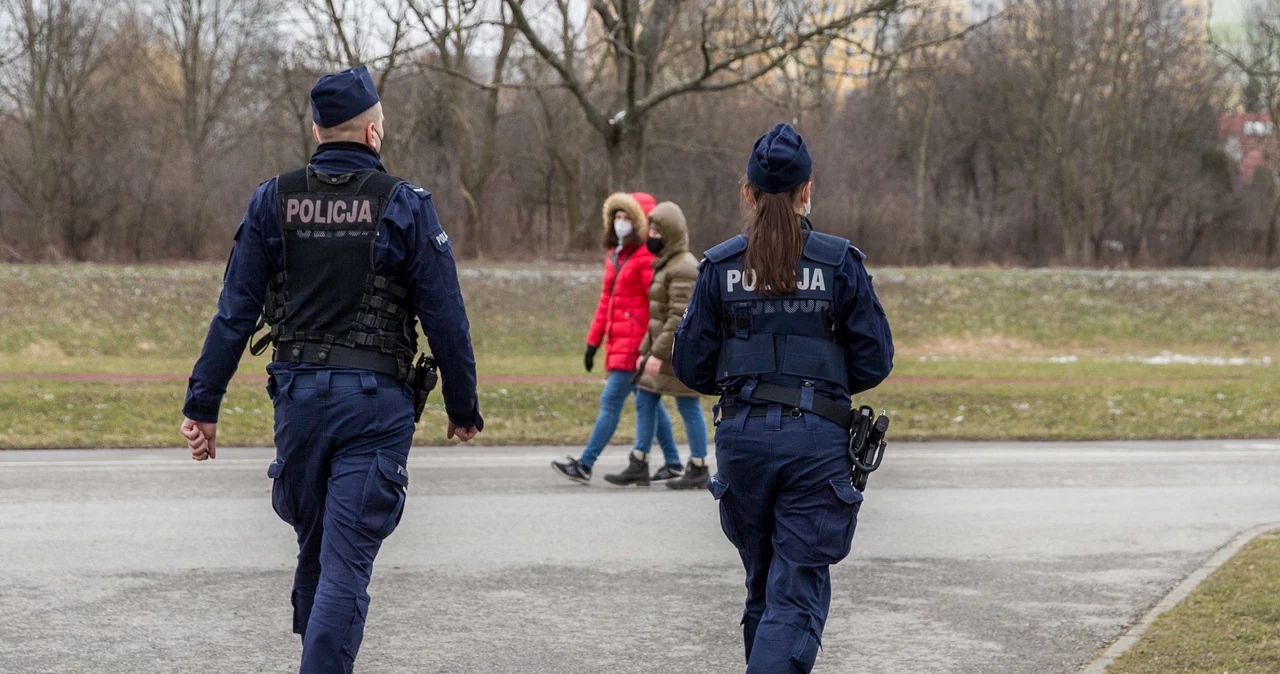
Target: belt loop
{"x": 773, "y": 419}
{"x": 322, "y": 384}
{"x": 739, "y": 418}
{"x": 284, "y": 389}
{"x": 806, "y": 397}
{"x": 812, "y": 422}
{"x": 748, "y": 388}
{"x": 715, "y": 414}
{"x": 369, "y": 383}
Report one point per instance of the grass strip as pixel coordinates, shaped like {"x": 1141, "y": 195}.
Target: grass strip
{"x": 44, "y": 413}
{"x": 1229, "y": 625}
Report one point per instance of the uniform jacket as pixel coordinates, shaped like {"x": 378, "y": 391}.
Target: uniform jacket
{"x": 863, "y": 331}
{"x": 411, "y": 247}
{"x": 674, "y": 273}
{"x": 622, "y": 314}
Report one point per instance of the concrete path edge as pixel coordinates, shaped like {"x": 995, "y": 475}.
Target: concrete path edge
{"x": 1180, "y": 592}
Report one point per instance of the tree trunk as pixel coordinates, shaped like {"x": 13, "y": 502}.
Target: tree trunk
{"x": 474, "y": 243}
{"x": 625, "y": 149}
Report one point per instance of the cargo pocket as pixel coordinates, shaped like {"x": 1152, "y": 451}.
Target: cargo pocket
{"x": 384, "y": 494}
{"x": 839, "y": 520}
{"x": 280, "y": 492}
{"x": 730, "y": 518}
{"x": 805, "y": 653}
{"x": 355, "y": 631}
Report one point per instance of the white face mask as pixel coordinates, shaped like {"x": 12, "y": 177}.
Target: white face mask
{"x": 808, "y": 206}
{"x": 623, "y": 229}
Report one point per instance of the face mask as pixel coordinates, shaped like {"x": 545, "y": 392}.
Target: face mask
{"x": 654, "y": 246}
{"x": 622, "y": 228}
{"x": 808, "y": 206}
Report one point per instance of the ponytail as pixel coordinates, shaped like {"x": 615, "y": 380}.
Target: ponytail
{"x": 775, "y": 241}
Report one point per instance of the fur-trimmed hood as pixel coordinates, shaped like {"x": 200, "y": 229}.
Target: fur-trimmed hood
{"x": 621, "y": 201}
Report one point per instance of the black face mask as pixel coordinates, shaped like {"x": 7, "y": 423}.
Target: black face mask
{"x": 654, "y": 246}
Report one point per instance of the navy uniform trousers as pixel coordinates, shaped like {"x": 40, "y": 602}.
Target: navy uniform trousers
{"x": 342, "y": 440}
{"x": 788, "y": 504}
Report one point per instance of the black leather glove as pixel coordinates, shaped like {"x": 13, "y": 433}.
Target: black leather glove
{"x": 589, "y": 359}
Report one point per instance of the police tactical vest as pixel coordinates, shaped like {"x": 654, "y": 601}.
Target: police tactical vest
{"x": 781, "y": 334}
{"x": 328, "y": 306}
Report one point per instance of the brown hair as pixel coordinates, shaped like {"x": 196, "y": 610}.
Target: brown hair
{"x": 610, "y": 239}
{"x": 775, "y": 241}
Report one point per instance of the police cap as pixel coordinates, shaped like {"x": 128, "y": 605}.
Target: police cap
{"x": 779, "y": 161}
{"x": 341, "y": 96}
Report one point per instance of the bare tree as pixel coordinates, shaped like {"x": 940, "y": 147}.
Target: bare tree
{"x": 453, "y": 28}
{"x": 732, "y": 45}
{"x": 53, "y": 82}
{"x": 211, "y": 42}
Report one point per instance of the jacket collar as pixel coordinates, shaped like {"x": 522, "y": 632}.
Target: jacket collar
{"x": 345, "y": 157}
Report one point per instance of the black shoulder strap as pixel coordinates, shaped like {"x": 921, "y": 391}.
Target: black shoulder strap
{"x": 293, "y": 181}
{"x": 379, "y": 184}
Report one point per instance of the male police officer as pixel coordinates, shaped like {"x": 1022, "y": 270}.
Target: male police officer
{"x": 338, "y": 258}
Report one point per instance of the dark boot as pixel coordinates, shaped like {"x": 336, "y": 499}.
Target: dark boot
{"x": 667, "y": 471}
{"x": 695, "y": 477}
{"x": 637, "y": 473}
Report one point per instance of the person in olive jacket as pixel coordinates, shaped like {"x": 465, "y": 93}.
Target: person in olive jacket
{"x": 675, "y": 272}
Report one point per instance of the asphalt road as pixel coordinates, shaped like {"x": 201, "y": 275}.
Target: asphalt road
{"x": 976, "y": 558}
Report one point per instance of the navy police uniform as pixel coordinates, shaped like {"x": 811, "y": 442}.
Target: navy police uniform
{"x": 340, "y": 260}
{"x": 785, "y": 368}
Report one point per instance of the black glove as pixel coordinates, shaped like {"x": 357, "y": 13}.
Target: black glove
{"x": 589, "y": 359}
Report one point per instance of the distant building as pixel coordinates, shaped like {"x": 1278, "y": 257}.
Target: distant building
{"x": 1249, "y": 139}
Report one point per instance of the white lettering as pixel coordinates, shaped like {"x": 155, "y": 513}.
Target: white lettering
{"x": 337, "y": 211}
{"x": 749, "y": 280}
{"x": 803, "y": 284}
{"x": 306, "y": 210}
{"x": 290, "y": 210}
{"x": 819, "y": 283}
{"x": 733, "y": 276}
{"x": 366, "y": 215}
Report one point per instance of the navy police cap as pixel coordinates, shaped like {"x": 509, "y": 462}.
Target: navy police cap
{"x": 779, "y": 161}
{"x": 341, "y": 96}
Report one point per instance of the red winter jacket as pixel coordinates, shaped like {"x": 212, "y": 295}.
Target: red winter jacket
{"x": 623, "y": 312}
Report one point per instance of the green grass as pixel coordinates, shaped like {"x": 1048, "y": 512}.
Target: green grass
{"x": 982, "y": 354}
{"x": 36, "y": 413}
{"x": 1230, "y": 623}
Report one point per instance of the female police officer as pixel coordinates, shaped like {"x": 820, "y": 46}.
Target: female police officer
{"x": 784, "y": 325}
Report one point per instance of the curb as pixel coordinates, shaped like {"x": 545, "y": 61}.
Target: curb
{"x": 1180, "y": 592}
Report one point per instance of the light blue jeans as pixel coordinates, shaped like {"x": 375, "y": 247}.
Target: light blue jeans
{"x": 649, "y": 405}
{"x": 617, "y": 387}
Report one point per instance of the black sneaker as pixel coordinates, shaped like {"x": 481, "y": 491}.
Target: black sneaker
{"x": 572, "y": 469}
{"x": 695, "y": 477}
{"x": 637, "y": 473}
{"x": 668, "y": 471}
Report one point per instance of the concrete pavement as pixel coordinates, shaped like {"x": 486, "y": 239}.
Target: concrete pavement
{"x": 978, "y": 557}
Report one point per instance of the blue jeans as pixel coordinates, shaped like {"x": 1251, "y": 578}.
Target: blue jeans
{"x": 647, "y": 406}
{"x": 616, "y": 389}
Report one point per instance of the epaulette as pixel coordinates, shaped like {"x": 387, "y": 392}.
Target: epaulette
{"x": 825, "y": 248}
{"x": 727, "y": 249}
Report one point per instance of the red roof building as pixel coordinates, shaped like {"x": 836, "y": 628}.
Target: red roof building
{"x": 1249, "y": 138}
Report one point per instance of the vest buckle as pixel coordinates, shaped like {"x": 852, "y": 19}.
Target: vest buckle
{"x": 796, "y": 413}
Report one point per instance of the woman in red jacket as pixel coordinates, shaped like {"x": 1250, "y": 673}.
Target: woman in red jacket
{"x": 621, "y": 322}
